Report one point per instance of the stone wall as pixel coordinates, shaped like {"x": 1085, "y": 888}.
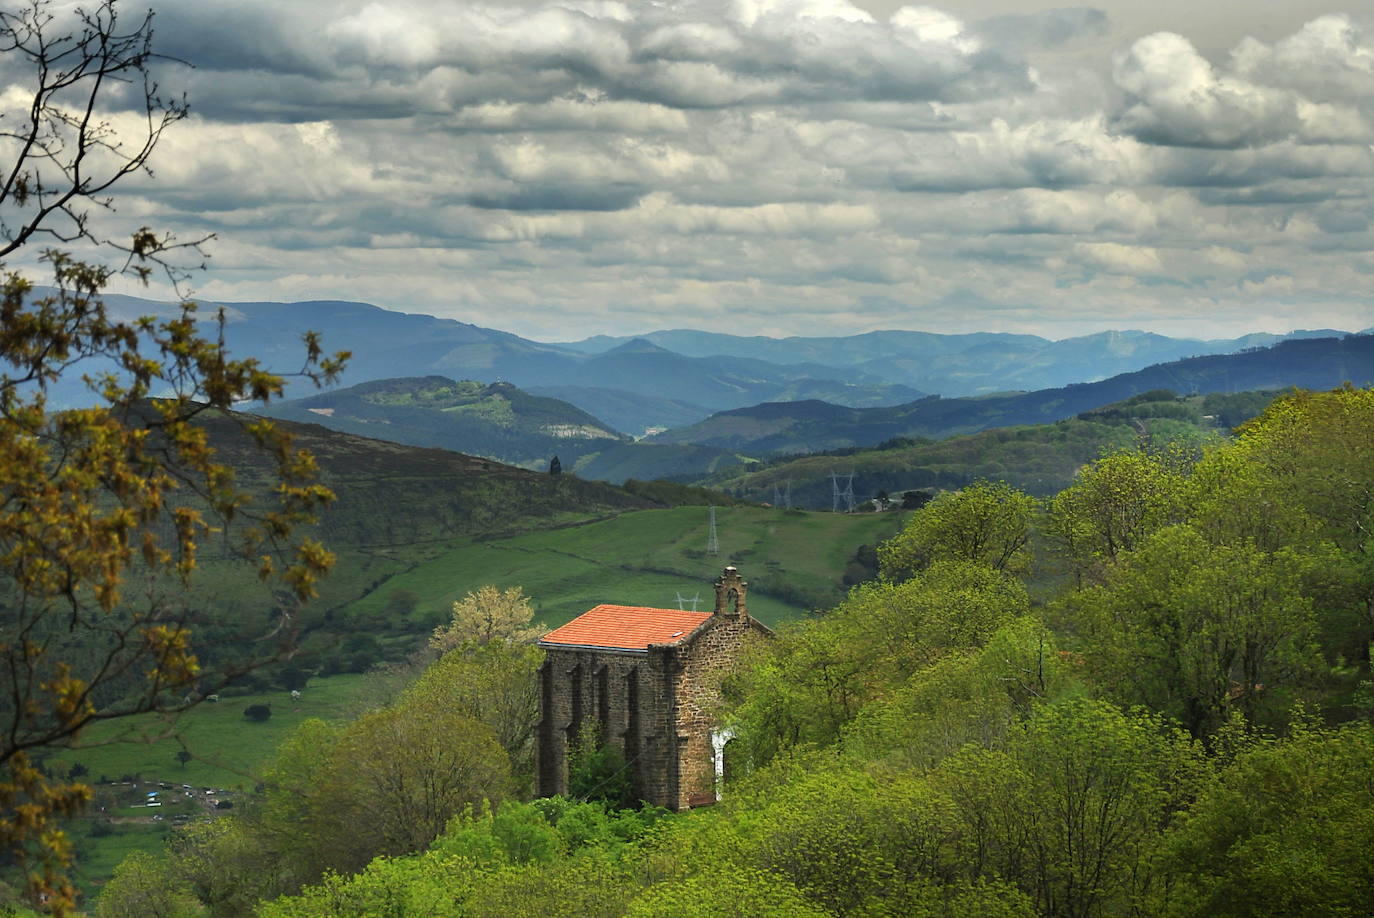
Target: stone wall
{"x": 706, "y": 662}
{"x": 626, "y": 697}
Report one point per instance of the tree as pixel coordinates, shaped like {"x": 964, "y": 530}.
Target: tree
{"x": 487, "y": 615}
{"x": 915, "y": 500}
{"x": 723, "y": 894}
{"x": 143, "y": 888}
{"x": 498, "y": 685}
{"x": 1285, "y": 829}
{"x": 1193, "y": 629}
{"x": 1071, "y": 808}
{"x": 987, "y": 522}
{"x": 89, "y": 495}
{"x": 184, "y": 756}
{"x": 257, "y": 712}
{"x": 806, "y": 686}
{"x": 555, "y": 466}
{"x": 397, "y": 776}
{"x": 1113, "y": 504}
{"x": 401, "y": 603}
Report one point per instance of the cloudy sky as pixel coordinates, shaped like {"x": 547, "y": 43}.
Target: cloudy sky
{"x": 567, "y": 167}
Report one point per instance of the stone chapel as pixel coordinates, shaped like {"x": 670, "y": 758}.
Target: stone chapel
{"x": 646, "y": 679}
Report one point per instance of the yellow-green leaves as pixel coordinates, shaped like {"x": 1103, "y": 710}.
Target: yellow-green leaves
{"x": 986, "y": 522}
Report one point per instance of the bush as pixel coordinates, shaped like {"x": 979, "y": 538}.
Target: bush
{"x": 258, "y": 712}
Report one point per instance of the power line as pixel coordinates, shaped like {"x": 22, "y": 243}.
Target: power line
{"x": 712, "y": 542}
{"x": 681, "y": 600}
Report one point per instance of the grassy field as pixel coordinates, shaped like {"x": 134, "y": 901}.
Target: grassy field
{"x": 793, "y": 559}
{"x": 229, "y": 752}
{"x": 228, "y": 748}
{"x": 641, "y": 558}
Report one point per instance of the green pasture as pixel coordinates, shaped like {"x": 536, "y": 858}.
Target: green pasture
{"x": 97, "y": 856}
{"x": 228, "y": 749}
{"x": 648, "y": 557}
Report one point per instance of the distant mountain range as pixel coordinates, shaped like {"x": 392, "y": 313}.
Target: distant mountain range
{"x": 502, "y": 422}
{"x": 954, "y": 365}
{"x": 671, "y": 378}
{"x": 812, "y": 426}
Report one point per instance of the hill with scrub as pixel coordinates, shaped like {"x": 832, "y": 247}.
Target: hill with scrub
{"x": 497, "y": 421}
{"x": 1040, "y": 458}
{"x": 802, "y": 427}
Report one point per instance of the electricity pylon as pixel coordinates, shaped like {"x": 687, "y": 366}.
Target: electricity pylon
{"x": 847, "y": 495}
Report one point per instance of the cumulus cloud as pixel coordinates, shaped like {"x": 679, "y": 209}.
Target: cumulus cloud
{"x": 1310, "y": 87}
{"x": 559, "y": 166}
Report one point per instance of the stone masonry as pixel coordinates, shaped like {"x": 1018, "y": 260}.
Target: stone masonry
{"x": 647, "y": 680}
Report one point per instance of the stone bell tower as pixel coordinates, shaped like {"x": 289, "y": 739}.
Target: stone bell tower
{"x": 731, "y": 589}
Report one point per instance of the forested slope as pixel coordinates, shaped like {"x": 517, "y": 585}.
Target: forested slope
{"x": 1184, "y": 730}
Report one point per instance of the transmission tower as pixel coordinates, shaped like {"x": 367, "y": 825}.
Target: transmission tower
{"x": 712, "y": 542}
{"x": 683, "y": 599}
{"x": 783, "y": 497}
{"x": 837, "y": 496}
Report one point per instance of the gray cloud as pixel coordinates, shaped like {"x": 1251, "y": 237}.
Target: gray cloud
{"x": 800, "y": 166}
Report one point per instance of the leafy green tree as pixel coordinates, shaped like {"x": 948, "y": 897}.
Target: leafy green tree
{"x": 495, "y": 683}
{"x": 1316, "y": 446}
{"x": 725, "y": 894}
{"x": 1193, "y": 629}
{"x": 226, "y": 864}
{"x": 487, "y": 615}
{"x": 396, "y": 776}
{"x": 1285, "y": 830}
{"x": 1072, "y": 808}
{"x": 969, "y": 697}
{"x": 986, "y": 522}
{"x": 1314, "y": 457}
{"x": 1114, "y": 504}
{"x": 807, "y": 684}
{"x": 89, "y": 495}
{"x": 142, "y": 887}
{"x": 285, "y": 823}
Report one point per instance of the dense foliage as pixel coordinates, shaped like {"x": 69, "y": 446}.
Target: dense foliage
{"x": 1184, "y": 729}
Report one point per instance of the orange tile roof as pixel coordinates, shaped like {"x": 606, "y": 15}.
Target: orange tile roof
{"x": 626, "y": 627}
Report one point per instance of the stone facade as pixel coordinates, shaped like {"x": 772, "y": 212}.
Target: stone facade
{"x": 653, "y": 703}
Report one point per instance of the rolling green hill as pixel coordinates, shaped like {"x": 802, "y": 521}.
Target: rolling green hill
{"x": 416, "y": 528}
{"x": 497, "y": 421}
{"x": 1041, "y": 459}
{"x": 501, "y": 422}
{"x": 794, "y": 561}
{"x": 397, "y": 506}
